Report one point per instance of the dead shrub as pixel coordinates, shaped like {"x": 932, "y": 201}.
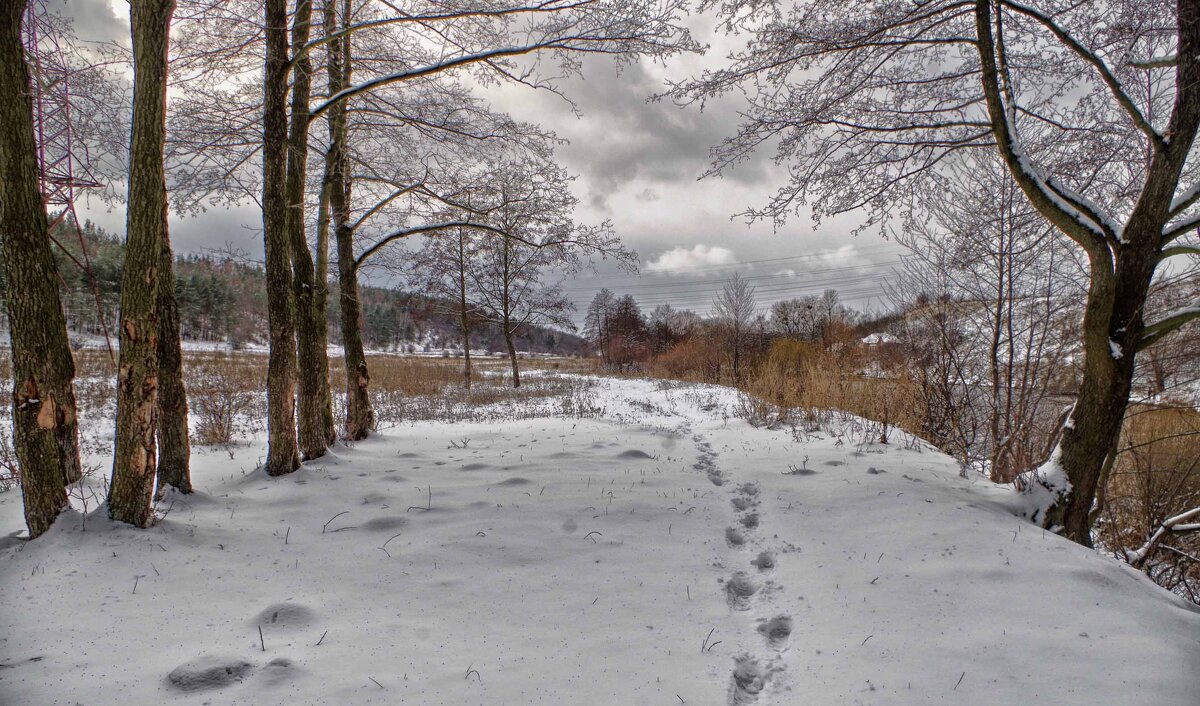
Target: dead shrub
{"x": 225, "y": 395}
{"x": 692, "y": 360}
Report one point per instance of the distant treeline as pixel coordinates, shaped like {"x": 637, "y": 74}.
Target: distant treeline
{"x": 222, "y": 298}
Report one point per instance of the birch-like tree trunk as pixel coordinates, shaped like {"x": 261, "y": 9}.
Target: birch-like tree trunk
{"x": 43, "y": 411}
{"x": 135, "y": 454}
{"x": 320, "y": 306}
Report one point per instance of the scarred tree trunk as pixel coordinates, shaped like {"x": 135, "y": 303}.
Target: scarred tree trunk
{"x": 311, "y": 358}
{"x": 360, "y": 418}
{"x": 282, "y": 454}
{"x": 43, "y": 411}
{"x": 135, "y": 452}
{"x": 174, "y": 448}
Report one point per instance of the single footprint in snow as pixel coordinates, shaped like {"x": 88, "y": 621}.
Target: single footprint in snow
{"x": 749, "y": 490}
{"x": 740, "y": 503}
{"x": 749, "y": 521}
{"x": 734, "y": 537}
{"x": 634, "y": 453}
{"x": 776, "y": 630}
{"x": 739, "y": 589}
{"x": 208, "y": 672}
{"x": 748, "y": 681}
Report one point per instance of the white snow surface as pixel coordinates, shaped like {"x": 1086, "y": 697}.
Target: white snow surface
{"x": 586, "y": 561}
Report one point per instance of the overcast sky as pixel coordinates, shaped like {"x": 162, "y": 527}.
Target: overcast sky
{"x": 637, "y": 163}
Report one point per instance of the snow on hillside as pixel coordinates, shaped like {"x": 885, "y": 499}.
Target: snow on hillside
{"x": 662, "y": 552}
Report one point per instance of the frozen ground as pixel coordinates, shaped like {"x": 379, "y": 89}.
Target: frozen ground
{"x": 660, "y": 552}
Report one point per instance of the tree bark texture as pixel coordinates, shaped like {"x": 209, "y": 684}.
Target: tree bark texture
{"x": 464, "y": 312}
{"x": 135, "y": 453}
{"x": 312, "y": 362}
{"x": 360, "y": 418}
{"x": 43, "y": 411}
{"x": 512, "y": 355}
{"x": 282, "y": 452}
{"x": 174, "y": 447}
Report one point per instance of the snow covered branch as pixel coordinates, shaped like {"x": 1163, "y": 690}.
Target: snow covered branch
{"x": 1110, "y": 79}
{"x": 1172, "y": 525}
{"x": 1051, "y": 202}
{"x": 1158, "y": 62}
{"x": 1169, "y": 323}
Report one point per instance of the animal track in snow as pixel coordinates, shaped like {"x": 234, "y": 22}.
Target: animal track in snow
{"x": 748, "y": 681}
{"x": 776, "y": 630}
{"x": 739, "y": 589}
{"x": 734, "y": 537}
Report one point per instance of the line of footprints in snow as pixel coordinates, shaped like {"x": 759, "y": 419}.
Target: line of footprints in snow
{"x": 750, "y": 676}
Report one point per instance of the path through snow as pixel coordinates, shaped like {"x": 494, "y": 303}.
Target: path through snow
{"x": 662, "y": 553}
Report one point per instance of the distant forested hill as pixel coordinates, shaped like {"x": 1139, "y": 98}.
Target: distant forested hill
{"x": 222, "y": 298}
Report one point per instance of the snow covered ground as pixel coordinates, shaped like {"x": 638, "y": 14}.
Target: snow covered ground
{"x": 660, "y": 552}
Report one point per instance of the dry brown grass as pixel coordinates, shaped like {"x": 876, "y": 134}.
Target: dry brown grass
{"x": 225, "y": 395}
{"x": 1156, "y": 476}
{"x": 799, "y": 381}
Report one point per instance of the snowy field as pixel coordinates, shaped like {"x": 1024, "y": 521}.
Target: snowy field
{"x": 657, "y": 551}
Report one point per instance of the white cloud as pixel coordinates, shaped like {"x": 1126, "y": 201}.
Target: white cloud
{"x": 679, "y": 260}
{"x": 845, "y": 255}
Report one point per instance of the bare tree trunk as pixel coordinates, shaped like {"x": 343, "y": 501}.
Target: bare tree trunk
{"x": 506, "y": 310}
{"x": 1121, "y": 272}
{"x": 360, "y": 418}
{"x": 464, "y": 318}
{"x": 737, "y": 350}
{"x": 43, "y": 411}
{"x": 282, "y": 454}
{"x": 512, "y": 354}
{"x": 174, "y": 448}
{"x": 135, "y": 452}
{"x": 311, "y": 357}
{"x": 320, "y": 309}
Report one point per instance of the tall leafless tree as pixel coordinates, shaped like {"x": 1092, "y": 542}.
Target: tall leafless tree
{"x": 734, "y": 306}
{"x": 442, "y": 268}
{"x": 43, "y": 402}
{"x": 868, "y": 98}
{"x": 135, "y": 455}
{"x": 283, "y": 455}
{"x": 1011, "y": 287}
